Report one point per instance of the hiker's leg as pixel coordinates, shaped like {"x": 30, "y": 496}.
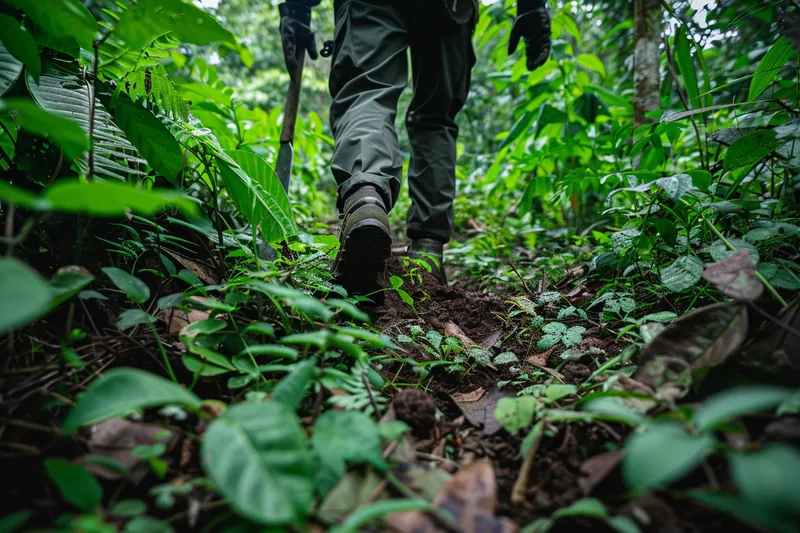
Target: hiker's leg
{"x": 368, "y": 72}
{"x": 441, "y": 60}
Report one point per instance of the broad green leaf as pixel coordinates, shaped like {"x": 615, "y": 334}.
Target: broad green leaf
{"x": 341, "y": 437}
{"x": 203, "y": 367}
{"x": 520, "y": 126}
{"x": 683, "y": 57}
{"x": 750, "y": 148}
{"x": 292, "y": 388}
{"x": 719, "y": 250}
{"x": 68, "y": 281}
{"x": 10, "y": 69}
{"x": 682, "y": 274}
{"x": 20, "y": 44}
{"x": 366, "y": 514}
{"x": 136, "y": 289}
{"x": 745, "y": 510}
{"x": 258, "y": 169}
{"x": 75, "y": 484}
{"x": 24, "y": 295}
{"x": 615, "y": 409}
{"x": 592, "y": 62}
{"x": 505, "y": 358}
{"x": 666, "y": 228}
{"x": 770, "y": 65}
{"x": 11, "y": 523}
{"x": 557, "y": 391}
{"x": 130, "y": 318}
{"x": 349, "y": 309}
{"x": 126, "y": 508}
{"x": 766, "y": 477}
{"x": 588, "y": 507}
{"x": 65, "y": 133}
{"x": 515, "y": 413}
{"x": 61, "y": 19}
{"x": 149, "y": 19}
{"x": 275, "y": 350}
{"x": 675, "y": 186}
{"x": 660, "y": 454}
{"x": 733, "y": 403}
{"x": 263, "y": 209}
{"x": 147, "y": 524}
{"x": 258, "y": 457}
{"x": 153, "y": 140}
{"x": 113, "y": 199}
{"x": 122, "y": 390}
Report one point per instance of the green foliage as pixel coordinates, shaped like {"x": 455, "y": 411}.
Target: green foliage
{"x": 62, "y": 131}
{"x": 75, "y": 484}
{"x": 24, "y": 295}
{"x": 257, "y": 456}
{"x": 124, "y": 390}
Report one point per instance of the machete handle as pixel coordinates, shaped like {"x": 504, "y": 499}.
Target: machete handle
{"x": 293, "y": 99}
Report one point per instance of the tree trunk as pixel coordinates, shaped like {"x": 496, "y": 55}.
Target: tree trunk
{"x": 647, "y": 21}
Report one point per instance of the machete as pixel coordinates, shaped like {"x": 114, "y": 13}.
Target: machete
{"x": 283, "y": 168}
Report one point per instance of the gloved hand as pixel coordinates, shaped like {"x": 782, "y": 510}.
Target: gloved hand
{"x": 296, "y": 32}
{"x": 532, "y": 23}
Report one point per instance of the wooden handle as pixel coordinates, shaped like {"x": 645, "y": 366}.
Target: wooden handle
{"x": 293, "y": 99}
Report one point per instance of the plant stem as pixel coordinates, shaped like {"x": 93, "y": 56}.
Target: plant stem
{"x": 163, "y": 354}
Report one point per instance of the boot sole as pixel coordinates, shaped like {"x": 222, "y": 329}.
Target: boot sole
{"x": 361, "y": 263}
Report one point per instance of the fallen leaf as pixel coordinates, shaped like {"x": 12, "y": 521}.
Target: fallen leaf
{"x": 177, "y": 319}
{"x": 595, "y": 469}
{"x": 470, "y": 497}
{"x": 735, "y": 276}
{"x": 491, "y": 340}
{"x": 354, "y": 489}
{"x": 202, "y": 271}
{"x": 540, "y": 359}
{"x": 116, "y": 438}
{"x": 480, "y": 413}
{"x": 702, "y": 339}
{"x": 452, "y": 330}
{"x": 473, "y": 396}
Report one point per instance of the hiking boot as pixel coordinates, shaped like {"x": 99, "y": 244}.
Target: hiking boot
{"x": 365, "y": 244}
{"x": 428, "y": 250}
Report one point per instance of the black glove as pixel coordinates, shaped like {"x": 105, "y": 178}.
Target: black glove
{"x": 532, "y": 23}
{"x": 296, "y": 32}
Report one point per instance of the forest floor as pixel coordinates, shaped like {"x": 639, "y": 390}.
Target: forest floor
{"x": 563, "y": 474}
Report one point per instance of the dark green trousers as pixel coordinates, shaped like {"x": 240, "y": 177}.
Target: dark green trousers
{"x": 368, "y": 73}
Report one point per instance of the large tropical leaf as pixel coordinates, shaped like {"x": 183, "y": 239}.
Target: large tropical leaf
{"x": 64, "y": 93}
{"x": 10, "y": 68}
{"x": 260, "y": 171}
{"x": 150, "y": 137}
{"x": 263, "y": 208}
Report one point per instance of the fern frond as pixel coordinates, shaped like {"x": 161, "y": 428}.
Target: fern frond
{"x": 154, "y": 85}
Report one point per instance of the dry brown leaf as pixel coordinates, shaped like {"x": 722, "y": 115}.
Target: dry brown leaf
{"x": 540, "y": 359}
{"x": 470, "y": 496}
{"x": 116, "y": 438}
{"x": 735, "y": 276}
{"x": 491, "y": 340}
{"x": 481, "y": 412}
{"x": 177, "y": 319}
{"x": 595, "y": 469}
{"x": 452, "y": 330}
{"x": 473, "y": 396}
{"x": 202, "y": 271}
{"x": 702, "y": 339}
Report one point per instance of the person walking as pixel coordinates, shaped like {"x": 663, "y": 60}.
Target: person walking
{"x": 369, "y": 71}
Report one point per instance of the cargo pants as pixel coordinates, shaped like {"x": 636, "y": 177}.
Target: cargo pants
{"x": 369, "y": 71}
